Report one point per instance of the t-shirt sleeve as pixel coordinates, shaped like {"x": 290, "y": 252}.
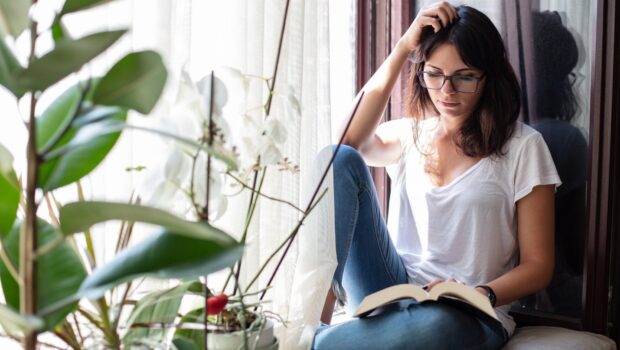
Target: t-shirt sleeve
{"x": 533, "y": 166}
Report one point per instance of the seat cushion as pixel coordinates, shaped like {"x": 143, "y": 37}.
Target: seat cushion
{"x": 555, "y": 338}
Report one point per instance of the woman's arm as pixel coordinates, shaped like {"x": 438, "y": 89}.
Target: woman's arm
{"x": 382, "y": 148}
{"x": 535, "y": 230}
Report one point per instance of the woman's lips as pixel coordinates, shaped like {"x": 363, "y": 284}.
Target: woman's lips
{"x": 448, "y": 104}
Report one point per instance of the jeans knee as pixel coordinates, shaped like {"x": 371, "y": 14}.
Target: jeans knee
{"x": 347, "y": 157}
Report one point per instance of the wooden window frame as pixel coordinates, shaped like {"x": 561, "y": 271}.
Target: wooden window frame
{"x": 380, "y": 25}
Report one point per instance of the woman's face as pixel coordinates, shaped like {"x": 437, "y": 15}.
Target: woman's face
{"x": 446, "y": 60}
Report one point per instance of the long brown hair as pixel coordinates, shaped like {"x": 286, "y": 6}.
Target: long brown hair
{"x": 480, "y": 46}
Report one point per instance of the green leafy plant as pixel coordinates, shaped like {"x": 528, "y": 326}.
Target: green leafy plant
{"x": 45, "y": 281}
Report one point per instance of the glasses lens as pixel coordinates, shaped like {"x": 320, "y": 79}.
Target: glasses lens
{"x": 432, "y": 80}
{"x": 465, "y": 83}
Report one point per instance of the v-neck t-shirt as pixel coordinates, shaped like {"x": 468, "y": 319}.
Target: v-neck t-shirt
{"x": 466, "y": 229}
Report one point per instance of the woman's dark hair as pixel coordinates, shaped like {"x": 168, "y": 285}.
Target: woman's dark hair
{"x": 480, "y": 46}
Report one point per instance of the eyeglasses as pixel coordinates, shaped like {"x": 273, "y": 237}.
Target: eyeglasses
{"x": 460, "y": 83}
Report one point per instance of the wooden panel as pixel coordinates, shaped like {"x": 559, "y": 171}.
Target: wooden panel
{"x": 381, "y": 31}
{"x": 601, "y": 139}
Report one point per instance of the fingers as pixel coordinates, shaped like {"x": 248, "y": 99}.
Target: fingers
{"x": 443, "y": 12}
{"x": 453, "y": 14}
{"x": 444, "y": 15}
{"x": 437, "y": 16}
{"x": 427, "y": 287}
{"x": 432, "y": 22}
{"x": 430, "y": 286}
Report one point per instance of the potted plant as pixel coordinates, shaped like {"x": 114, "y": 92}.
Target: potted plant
{"x": 84, "y": 124}
{"x": 44, "y": 279}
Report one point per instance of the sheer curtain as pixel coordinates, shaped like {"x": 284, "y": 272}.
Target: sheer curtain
{"x": 317, "y": 65}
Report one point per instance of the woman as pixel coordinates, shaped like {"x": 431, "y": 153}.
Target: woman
{"x": 472, "y": 192}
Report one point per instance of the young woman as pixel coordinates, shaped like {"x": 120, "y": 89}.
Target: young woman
{"x": 472, "y": 194}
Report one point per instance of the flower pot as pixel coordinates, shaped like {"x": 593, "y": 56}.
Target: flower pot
{"x": 234, "y": 340}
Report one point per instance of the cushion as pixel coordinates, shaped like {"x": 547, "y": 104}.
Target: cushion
{"x": 555, "y": 338}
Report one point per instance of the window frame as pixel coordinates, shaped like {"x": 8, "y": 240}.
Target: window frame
{"x": 380, "y": 25}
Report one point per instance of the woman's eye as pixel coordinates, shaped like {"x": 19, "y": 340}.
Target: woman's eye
{"x": 434, "y": 74}
{"x": 465, "y": 78}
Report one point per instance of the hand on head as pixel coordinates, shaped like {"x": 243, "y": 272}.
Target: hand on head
{"x": 437, "y": 16}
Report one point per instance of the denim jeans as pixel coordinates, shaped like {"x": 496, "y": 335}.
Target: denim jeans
{"x": 368, "y": 262}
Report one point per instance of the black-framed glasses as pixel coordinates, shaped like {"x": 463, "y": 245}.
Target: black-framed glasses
{"x": 460, "y": 83}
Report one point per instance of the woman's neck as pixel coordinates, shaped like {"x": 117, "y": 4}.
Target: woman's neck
{"x": 450, "y": 126}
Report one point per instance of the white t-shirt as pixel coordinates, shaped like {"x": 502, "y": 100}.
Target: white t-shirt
{"x": 466, "y": 229}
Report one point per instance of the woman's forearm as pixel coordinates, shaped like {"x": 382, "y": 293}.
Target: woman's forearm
{"x": 376, "y": 94}
{"x": 523, "y": 280}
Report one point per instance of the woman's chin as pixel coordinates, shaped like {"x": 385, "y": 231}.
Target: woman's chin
{"x": 451, "y": 112}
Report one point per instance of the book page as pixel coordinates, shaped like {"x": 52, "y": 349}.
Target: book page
{"x": 388, "y": 295}
{"x": 448, "y": 289}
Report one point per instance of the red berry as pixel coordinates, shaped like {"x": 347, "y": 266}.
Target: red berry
{"x": 216, "y": 304}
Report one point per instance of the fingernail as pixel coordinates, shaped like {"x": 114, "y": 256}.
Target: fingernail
{"x": 425, "y": 287}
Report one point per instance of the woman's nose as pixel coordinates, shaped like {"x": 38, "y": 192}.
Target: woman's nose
{"x": 447, "y": 87}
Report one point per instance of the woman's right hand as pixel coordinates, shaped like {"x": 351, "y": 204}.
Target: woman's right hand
{"x": 435, "y": 15}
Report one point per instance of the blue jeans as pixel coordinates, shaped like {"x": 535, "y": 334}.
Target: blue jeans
{"x": 368, "y": 262}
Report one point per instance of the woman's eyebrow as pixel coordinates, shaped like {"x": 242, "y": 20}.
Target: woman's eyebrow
{"x": 458, "y": 70}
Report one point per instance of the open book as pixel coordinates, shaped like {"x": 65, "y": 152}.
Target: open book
{"x": 447, "y": 289}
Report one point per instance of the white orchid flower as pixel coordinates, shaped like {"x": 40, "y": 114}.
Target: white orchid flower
{"x": 44, "y": 14}
{"x": 220, "y": 95}
{"x": 177, "y": 167}
{"x": 259, "y": 141}
{"x": 270, "y": 154}
{"x": 217, "y": 200}
{"x": 163, "y": 184}
{"x": 275, "y": 129}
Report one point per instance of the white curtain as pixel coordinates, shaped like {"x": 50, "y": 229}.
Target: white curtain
{"x": 317, "y": 64}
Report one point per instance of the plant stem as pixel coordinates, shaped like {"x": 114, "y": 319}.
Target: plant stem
{"x": 206, "y": 208}
{"x": 65, "y": 333}
{"x": 51, "y": 210}
{"x": 242, "y": 320}
{"x": 244, "y": 185}
{"x": 275, "y": 70}
{"x": 109, "y": 333}
{"x": 91, "y": 319}
{"x": 249, "y": 220}
{"x": 90, "y": 247}
{"x": 77, "y": 328}
{"x": 28, "y": 239}
{"x": 210, "y": 143}
{"x": 192, "y": 194}
{"x": 9, "y": 264}
{"x": 316, "y": 191}
{"x": 286, "y": 240}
